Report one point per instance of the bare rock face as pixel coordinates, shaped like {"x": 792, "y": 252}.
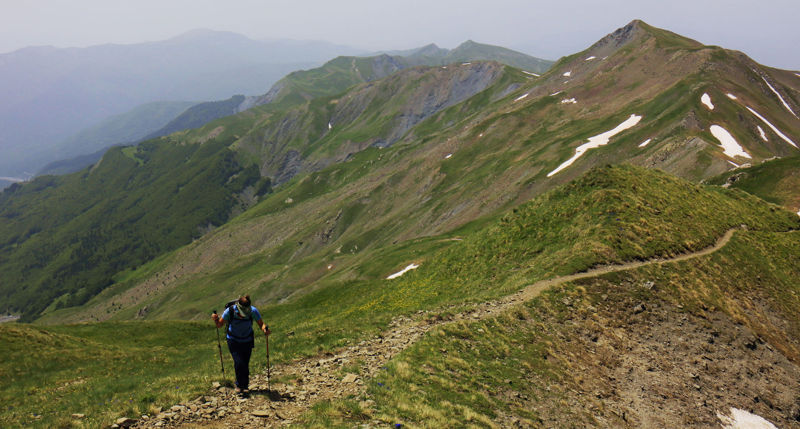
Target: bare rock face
{"x": 620, "y": 36}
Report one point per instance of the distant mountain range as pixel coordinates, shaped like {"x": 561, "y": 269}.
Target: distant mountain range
{"x": 442, "y": 145}
{"x": 140, "y": 123}
{"x": 48, "y": 94}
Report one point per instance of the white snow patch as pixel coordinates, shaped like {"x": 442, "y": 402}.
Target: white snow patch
{"x": 329, "y": 125}
{"x": 741, "y": 419}
{"x": 605, "y": 57}
{"x": 597, "y": 141}
{"x": 644, "y": 143}
{"x": 731, "y": 96}
{"x": 797, "y": 74}
{"x": 734, "y": 164}
{"x": 556, "y": 93}
{"x": 763, "y": 135}
{"x": 729, "y": 144}
{"x": 590, "y": 58}
{"x": 448, "y": 156}
{"x": 706, "y": 99}
{"x": 569, "y": 101}
{"x": 403, "y": 271}
{"x": 465, "y": 64}
{"x": 521, "y": 97}
{"x": 798, "y": 212}
{"x": 779, "y": 96}
{"x": 480, "y": 135}
{"x": 777, "y": 131}
{"x": 567, "y": 74}
{"x": 330, "y": 266}
{"x": 532, "y": 74}
{"x": 444, "y": 68}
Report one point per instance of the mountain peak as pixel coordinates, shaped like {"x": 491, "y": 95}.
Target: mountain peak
{"x": 638, "y": 29}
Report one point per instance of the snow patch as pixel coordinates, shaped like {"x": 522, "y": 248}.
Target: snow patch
{"x": 777, "y": 131}
{"x": 532, "y": 74}
{"x": 556, "y": 93}
{"x": 741, "y": 419}
{"x": 480, "y": 135}
{"x": 465, "y": 64}
{"x": 779, "y": 96}
{"x": 729, "y": 144}
{"x": 644, "y": 143}
{"x": 597, "y": 141}
{"x": 706, "y": 99}
{"x": 567, "y": 74}
{"x": 731, "y": 96}
{"x": 448, "y": 156}
{"x": 590, "y": 58}
{"x": 329, "y": 125}
{"x": 763, "y": 135}
{"x": 521, "y": 97}
{"x": 734, "y": 164}
{"x": 797, "y": 74}
{"x": 569, "y": 101}
{"x": 403, "y": 271}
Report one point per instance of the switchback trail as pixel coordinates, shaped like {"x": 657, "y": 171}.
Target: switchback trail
{"x": 320, "y": 378}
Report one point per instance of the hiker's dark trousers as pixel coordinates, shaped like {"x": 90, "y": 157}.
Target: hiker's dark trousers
{"x": 241, "y": 361}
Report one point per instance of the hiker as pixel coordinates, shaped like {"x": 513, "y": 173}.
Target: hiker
{"x": 240, "y": 316}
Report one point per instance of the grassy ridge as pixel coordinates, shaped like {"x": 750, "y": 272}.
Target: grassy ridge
{"x": 592, "y": 221}
{"x": 776, "y": 181}
{"x": 525, "y": 364}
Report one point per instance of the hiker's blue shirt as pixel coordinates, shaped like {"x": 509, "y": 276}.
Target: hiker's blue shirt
{"x": 240, "y": 330}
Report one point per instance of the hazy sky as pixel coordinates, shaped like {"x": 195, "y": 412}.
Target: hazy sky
{"x": 767, "y": 30}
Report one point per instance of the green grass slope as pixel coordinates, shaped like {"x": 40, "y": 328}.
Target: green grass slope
{"x": 612, "y": 214}
{"x": 104, "y": 371}
{"x": 713, "y": 333}
{"x": 777, "y": 181}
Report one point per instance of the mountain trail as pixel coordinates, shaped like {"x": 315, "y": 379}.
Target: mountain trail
{"x": 308, "y": 381}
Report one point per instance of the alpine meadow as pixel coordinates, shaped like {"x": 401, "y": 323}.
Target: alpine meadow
{"x": 468, "y": 237}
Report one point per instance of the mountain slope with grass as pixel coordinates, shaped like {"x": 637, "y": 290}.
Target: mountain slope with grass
{"x": 132, "y": 206}
{"x": 511, "y": 366}
{"x": 424, "y": 151}
{"x": 777, "y": 181}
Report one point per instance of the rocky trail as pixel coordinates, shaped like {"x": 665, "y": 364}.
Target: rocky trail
{"x": 307, "y": 381}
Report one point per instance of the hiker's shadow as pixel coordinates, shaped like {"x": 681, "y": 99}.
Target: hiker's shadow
{"x": 273, "y": 395}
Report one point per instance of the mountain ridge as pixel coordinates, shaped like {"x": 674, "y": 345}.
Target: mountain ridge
{"x": 304, "y": 137}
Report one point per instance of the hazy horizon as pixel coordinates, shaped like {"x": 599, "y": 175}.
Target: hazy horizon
{"x": 765, "y": 31}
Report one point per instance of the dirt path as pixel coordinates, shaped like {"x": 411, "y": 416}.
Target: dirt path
{"x": 322, "y": 377}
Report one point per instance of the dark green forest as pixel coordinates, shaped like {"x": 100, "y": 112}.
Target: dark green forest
{"x": 65, "y": 237}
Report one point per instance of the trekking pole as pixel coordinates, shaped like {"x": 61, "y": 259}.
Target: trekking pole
{"x": 219, "y": 347}
{"x": 268, "y": 369}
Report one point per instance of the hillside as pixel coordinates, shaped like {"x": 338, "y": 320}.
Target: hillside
{"x": 125, "y": 128}
{"x": 777, "y": 181}
{"x": 137, "y": 198}
{"x": 65, "y": 249}
{"x": 423, "y": 151}
{"x": 539, "y": 240}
